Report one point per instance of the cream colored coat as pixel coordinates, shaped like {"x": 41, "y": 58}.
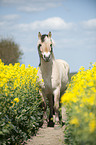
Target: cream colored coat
{"x": 55, "y": 74}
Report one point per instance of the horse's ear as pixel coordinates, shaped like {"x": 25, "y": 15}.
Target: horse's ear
{"x": 39, "y": 35}
{"x": 49, "y": 34}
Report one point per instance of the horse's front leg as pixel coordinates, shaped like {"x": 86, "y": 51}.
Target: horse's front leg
{"x": 56, "y": 104}
{"x": 44, "y": 106}
{"x": 50, "y": 99}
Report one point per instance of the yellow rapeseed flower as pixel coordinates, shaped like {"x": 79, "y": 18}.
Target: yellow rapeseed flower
{"x": 16, "y": 100}
{"x": 92, "y": 125}
{"x": 74, "y": 121}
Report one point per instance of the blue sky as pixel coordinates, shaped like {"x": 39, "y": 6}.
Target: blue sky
{"x": 71, "y": 22}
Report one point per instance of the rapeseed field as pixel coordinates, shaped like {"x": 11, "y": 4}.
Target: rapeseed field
{"x": 20, "y": 111}
{"x": 80, "y": 102}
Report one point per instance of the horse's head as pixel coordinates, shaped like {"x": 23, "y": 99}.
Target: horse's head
{"x": 45, "y": 44}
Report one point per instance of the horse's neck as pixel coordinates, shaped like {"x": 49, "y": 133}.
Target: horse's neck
{"x": 46, "y": 67}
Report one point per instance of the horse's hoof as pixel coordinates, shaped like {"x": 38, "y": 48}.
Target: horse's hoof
{"x": 57, "y": 126}
{"x": 51, "y": 124}
{"x": 63, "y": 123}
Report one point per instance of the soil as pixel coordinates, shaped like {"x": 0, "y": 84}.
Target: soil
{"x": 48, "y": 136}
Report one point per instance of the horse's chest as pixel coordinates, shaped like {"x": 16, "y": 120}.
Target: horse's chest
{"x": 50, "y": 83}
{"x": 51, "y": 78}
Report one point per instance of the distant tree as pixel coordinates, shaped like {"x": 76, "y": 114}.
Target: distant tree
{"x": 9, "y": 51}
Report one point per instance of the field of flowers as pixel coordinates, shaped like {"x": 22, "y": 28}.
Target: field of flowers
{"x": 20, "y": 111}
{"x": 80, "y": 102}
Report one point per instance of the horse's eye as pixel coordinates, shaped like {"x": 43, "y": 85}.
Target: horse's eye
{"x": 50, "y": 45}
{"x": 39, "y": 45}
{"x": 40, "y": 48}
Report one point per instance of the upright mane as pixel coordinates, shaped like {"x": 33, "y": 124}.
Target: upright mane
{"x": 43, "y": 37}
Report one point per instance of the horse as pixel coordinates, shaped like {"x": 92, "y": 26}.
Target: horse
{"x": 55, "y": 75}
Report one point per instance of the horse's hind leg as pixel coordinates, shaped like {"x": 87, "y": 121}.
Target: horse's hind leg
{"x": 64, "y": 115}
{"x": 56, "y": 104}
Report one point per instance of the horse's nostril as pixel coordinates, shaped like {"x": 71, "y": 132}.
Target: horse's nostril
{"x": 46, "y": 57}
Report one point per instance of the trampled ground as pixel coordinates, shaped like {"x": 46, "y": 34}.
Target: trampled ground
{"x": 48, "y": 136}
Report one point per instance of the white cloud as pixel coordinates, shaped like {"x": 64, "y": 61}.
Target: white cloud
{"x": 32, "y": 5}
{"x": 54, "y": 23}
{"x": 10, "y": 17}
{"x": 38, "y": 6}
{"x": 90, "y": 24}
{"x": 2, "y": 24}
{"x": 12, "y": 1}
{"x": 30, "y": 9}
{"x": 8, "y": 22}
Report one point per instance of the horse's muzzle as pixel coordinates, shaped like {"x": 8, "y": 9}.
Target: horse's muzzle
{"x": 47, "y": 59}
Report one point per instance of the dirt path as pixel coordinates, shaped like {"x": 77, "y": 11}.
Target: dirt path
{"x": 48, "y": 136}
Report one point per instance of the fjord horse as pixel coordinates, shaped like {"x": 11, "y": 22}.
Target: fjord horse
{"x": 55, "y": 75}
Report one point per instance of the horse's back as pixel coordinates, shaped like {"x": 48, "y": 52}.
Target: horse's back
{"x": 64, "y": 73}
{"x": 63, "y": 65}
